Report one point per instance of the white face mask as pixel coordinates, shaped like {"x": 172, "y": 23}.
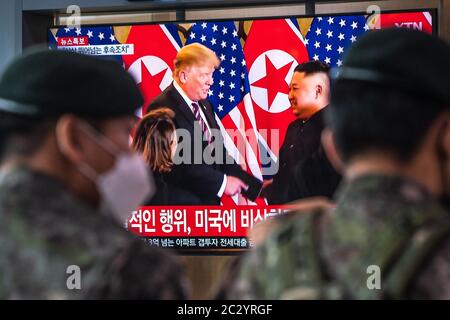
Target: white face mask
{"x": 126, "y": 185}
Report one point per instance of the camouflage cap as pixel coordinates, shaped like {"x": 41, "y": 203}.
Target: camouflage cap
{"x": 409, "y": 60}
{"x": 49, "y": 83}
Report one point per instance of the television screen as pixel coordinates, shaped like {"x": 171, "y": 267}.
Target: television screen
{"x": 249, "y": 96}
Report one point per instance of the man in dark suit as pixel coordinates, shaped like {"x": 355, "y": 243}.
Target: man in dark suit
{"x": 214, "y": 173}
{"x": 304, "y": 171}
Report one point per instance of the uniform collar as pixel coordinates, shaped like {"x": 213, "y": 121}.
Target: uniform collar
{"x": 391, "y": 185}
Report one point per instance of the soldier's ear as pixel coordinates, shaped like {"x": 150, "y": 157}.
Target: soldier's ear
{"x": 330, "y": 150}
{"x": 446, "y": 138}
{"x": 441, "y": 133}
{"x": 68, "y": 138}
{"x": 446, "y": 142}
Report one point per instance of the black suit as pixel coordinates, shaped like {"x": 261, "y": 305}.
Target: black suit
{"x": 168, "y": 194}
{"x": 314, "y": 176}
{"x": 202, "y": 178}
{"x": 303, "y": 168}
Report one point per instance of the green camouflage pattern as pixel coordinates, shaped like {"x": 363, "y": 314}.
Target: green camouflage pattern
{"x": 383, "y": 221}
{"x": 44, "y": 229}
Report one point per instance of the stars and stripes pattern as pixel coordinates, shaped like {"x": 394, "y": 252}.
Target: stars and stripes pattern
{"x": 329, "y": 36}
{"x": 230, "y": 92}
{"x": 96, "y": 35}
{"x": 231, "y": 78}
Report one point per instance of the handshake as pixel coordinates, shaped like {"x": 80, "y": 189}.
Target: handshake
{"x": 250, "y": 189}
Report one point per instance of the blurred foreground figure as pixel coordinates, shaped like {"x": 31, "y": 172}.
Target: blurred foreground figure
{"x": 68, "y": 182}
{"x": 389, "y": 236}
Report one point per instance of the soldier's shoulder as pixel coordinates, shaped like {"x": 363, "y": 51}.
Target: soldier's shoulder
{"x": 297, "y": 222}
{"x": 275, "y": 269}
{"x": 433, "y": 279}
{"x": 156, "y": 273}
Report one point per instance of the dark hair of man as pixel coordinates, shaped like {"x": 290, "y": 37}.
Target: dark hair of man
{"x": 153, "y": 139}
{"x": 23, "y": 135}
{"x": 366, "y": 116}
{"x": 312, "y": 67}
{"x": 20, "y": 135}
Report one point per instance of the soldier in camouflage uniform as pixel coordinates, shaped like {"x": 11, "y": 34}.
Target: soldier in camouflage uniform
{"x": 64, "y": 123}
{"x": 389, "y": 236}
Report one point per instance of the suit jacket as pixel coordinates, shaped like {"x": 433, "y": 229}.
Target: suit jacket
{"x": 314, "y": 176}
{"x": 202, "y": 178}
{"x": 299, "y": 154}
{"x": 168, "y": 194}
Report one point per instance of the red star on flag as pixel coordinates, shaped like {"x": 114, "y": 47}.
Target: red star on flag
{"x": 274, "y": 81}
{"x": 150, "y": 84}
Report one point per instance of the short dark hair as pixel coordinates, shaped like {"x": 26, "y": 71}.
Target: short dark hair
{"x": 22, "y": 135}
{"x": 312, "y": 67}
{"x": 153, "y": 138}
{"x": 367, "y": 116}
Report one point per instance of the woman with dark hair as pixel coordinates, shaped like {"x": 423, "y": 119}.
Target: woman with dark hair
{"x": 156, "y": 139}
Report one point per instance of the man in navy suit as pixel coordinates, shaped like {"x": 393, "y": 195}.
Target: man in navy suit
{"x": 186, "y": 96}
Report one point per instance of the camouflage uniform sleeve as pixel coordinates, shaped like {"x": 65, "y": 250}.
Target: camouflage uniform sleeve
{"x": 143, "y": 272}
{"x": 283, "y": 267}
{"x": 434, "y": 281}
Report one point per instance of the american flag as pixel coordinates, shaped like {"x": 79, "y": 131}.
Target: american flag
{"x": 96, "y": 35}
{"x": 231, "y": 79}
{"x": 230, "y": 92}
{"x": 329, "y": 36}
